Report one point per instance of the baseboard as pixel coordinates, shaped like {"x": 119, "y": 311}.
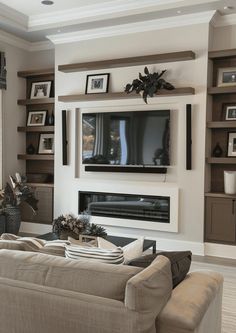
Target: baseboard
{"x": 35, "y": 228}
{"x": 220, "y": 250}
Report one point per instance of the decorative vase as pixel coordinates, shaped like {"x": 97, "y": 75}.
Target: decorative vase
{"x": 51, "y": 120}
{"x": 30, "y": 149}
{"x": 230, "y": 182}
{"x": 217, "y": 151}
{"x": 13, "y": 219}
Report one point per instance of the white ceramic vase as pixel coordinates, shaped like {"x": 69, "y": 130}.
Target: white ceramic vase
{"x": 230, "y": 182}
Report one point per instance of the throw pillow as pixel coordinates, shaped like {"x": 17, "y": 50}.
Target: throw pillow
{"x": 114, "y": 256}
{"x": 180, "y": 263}
{"x": 130, "y": 251}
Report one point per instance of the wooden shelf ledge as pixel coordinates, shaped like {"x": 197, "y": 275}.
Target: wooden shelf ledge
{"x": 127, "y": 62}
{"x": 41, "y": 184}
{"x": 36, "y": 73}
{"x": 123, "y": 95}
{"x": 222, "y": 124}
{"x": 35, "y": 129}
{"x": 222, "y": 54}
{"x": 220, "y": 195}
{"x": 35, "y": 157}
{"x": 36, "y": 101}
{"x": 222, "y": 90}
{"x": 221, "y": 160}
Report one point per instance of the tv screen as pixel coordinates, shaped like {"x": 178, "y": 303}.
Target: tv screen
{"x": 135, "y": 138}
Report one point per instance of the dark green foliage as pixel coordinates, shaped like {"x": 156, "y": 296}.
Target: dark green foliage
{"x": 149, "y": 84}
{"x": 95, "y": 230}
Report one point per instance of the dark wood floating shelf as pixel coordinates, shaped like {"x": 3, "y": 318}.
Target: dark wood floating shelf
{"x": 35, "y": 157}
{"x": 41, "y": 184}
{"x": 220, "y": 195}
{"x": 35, "y": 129}
{"x": 221, "y": 160}
{"x": 221, "y": 124}
{"x": 222, "y": 54}
{"x": 127, "y": 62}
{"x": 123, "y": 95}
{"x": 222, "y": 90}
{"x": 36, "y": 72}
{"x": 110, "y": 168}
{"x": 36, "y": 101}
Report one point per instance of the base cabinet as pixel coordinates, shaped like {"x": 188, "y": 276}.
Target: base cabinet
{"x": 44, "y": 213}
{"x": 220, "y": 224}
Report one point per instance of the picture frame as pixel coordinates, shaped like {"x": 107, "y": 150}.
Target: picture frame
{"x": 36, "y": 118}
{"x": 226, "y": 77}
{"x": 46, "y": 143}
{"x": 231, "y": 144}
{"x": 230, "y": 112}
{"x": 40, "y": 89}
{"x": 97, "y": 83}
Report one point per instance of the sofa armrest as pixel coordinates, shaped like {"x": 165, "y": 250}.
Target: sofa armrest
{"x": 27, "y": 308}
{"x": 190, "y": 302}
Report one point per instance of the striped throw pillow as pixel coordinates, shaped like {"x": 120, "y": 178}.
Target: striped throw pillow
{"x": 99, "y": 255}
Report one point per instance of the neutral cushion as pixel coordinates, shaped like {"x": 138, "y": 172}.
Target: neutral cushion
{"x": 180, "y": 263}
{"x": 86, "y": 277}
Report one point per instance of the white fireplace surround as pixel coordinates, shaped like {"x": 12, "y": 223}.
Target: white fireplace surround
{"x": 140, "y": 188}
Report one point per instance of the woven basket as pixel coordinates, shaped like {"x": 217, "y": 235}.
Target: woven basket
{"x": 13, "y": 219}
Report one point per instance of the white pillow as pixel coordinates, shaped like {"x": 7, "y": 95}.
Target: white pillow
{"x": 130, "y": 251}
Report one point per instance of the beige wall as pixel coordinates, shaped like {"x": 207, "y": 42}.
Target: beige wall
{"x": 224, "y": 38}
{"x": 189, "y": 73}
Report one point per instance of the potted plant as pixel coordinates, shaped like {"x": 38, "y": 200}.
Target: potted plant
{"x": 11, "y": 197}
{"x": 70, "y": 225}
{"x": 149, "y": 84}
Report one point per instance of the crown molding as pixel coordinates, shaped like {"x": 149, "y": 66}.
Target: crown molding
{"x": 165, "y": 23}
{"x": 23, "y": 44}
{"x": 13, "y": 18}
{"x": 111, "y": 9}
{"x": 222, "y": 21}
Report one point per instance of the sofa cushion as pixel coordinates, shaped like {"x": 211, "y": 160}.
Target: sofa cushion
{"x": 86, "y": 277}
{"x": 180, "y": 263}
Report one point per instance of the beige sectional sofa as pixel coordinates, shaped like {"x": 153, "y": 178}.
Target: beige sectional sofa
{"x": 41, "y": 293}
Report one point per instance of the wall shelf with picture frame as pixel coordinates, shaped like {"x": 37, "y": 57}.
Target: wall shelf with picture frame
{"x": 221, "y": 146}
{"x": 39, "y": 120}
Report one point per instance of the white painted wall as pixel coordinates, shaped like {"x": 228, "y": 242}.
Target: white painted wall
{"x": 223, "y": 38}
{"x": 190, "y": 73}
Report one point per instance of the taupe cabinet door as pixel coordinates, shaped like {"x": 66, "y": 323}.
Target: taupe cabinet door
{"x": 221, "y": 220}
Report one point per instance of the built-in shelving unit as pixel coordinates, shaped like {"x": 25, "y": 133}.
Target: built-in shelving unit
{"x": 127, "y": 62}
{"x": 220, "y": 218}
{"x": 123, "y": 95}
{"x": 39, "y": 168}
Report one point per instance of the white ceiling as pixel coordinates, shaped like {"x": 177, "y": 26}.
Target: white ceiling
{"x": 32, "y": 21}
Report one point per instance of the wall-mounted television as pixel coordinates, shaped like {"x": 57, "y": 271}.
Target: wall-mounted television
{"x": 132, "y": 138}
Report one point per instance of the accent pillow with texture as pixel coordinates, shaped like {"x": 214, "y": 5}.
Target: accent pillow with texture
{"x": 114, "y": 256}
{"x": 130, "y": 251}
{"x": 180, "y": 263}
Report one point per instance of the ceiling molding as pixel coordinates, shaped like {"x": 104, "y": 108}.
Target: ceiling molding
{"x": 13, "y": 18}
{"x": 111, "y": 9}
{"x": 159, "y": 24}
{"x": 222, "y": 21}
{"x": 23, "y": 44}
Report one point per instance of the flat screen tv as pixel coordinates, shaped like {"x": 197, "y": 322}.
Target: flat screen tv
{"x": 132, "y": 138}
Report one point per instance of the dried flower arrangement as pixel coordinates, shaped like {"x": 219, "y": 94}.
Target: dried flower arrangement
{"x": 77, "y": 225}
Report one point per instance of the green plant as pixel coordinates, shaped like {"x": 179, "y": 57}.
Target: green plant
{"x": 148, "y": 84}
{"x": 18, "y": 192}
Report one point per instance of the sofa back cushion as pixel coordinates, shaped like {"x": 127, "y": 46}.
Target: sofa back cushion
{"x": 97, "y": 279}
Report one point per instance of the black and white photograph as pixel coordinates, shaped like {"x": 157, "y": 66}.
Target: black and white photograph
{"x": 232, "y": 144}
{"x": 226, "y": 77}
{"x": 36, "y": 118}
{"x": 46, "y": 143}
{"x": 97, "y": 83}
{"x": 40, "y": 89}
{"x": 230, "y": 113}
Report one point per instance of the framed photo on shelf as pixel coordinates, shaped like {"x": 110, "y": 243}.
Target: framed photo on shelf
{"x": 232, "y": 144}
{"x": 40, "y": 89}
{"x": 36, "y": 118}
{"x": 226, "y": 77}
{"x": 230, "y": 112}
{"x": 97, "y": 83}
{"x": 46, "y": 143}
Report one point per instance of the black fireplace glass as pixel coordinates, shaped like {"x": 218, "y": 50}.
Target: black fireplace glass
{"x": 125, "y": 206}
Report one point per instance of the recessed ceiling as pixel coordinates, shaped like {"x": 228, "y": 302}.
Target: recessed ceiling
{"x": 32, "y": 21}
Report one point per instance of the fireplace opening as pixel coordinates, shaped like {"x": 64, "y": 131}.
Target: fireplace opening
{"x": 126, "y": 206}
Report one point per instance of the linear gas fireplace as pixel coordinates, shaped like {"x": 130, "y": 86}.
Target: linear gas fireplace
{"x": 126, "y": 206}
